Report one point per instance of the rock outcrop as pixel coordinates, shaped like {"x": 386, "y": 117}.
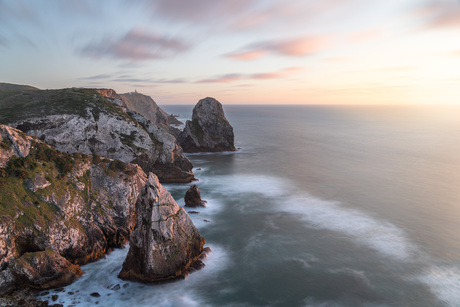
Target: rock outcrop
{"x": 75, "y": 205}
{"x": 209, "y": 130}
{"x": 165, "y": 243}
{"x": 193, "y": 197}
{"x": 146, "y": 106}
{"x": 39, "y": 270}
{"x": 96, "y": 121}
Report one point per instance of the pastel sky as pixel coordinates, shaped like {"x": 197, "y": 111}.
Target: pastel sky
{"x": 238, "y": 51}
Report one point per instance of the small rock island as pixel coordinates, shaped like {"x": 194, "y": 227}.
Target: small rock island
{"x": 209, "y": 130}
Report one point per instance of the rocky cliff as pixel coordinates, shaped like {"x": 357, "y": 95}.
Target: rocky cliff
{"x": 165, "y": 243}
{"x": 94, "y": 121}
{"x": 59, "y": 210}
{"x": 146, "y": 106}
{"x": 72, "y": 205}
{"x": 209, "y": 130}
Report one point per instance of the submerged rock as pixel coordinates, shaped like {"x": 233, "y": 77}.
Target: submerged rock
{"x": 193, "y": 198}
{"x": 164, "y": 243}
{"x": 209, "y": 130}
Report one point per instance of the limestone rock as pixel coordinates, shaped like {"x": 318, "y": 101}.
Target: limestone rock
{"x": 209, "y": 130}
{"x": 193, "y": 198}
{"x": 95, "y": 122}
{"x": 146, "y": 106}
{"x": 76, "y": 205}
{"x": 164, "y": 243}
{"x": 44, "y": 270}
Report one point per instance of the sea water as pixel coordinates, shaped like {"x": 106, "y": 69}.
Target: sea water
{"x": 320, "y": 206}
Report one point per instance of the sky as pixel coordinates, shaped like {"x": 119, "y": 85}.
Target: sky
{"x": 238, "y": 51}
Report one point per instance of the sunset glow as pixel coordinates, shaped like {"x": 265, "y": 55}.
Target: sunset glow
{"x": 241, "y": 52}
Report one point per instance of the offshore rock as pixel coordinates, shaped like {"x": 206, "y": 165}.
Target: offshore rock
{"x": 96, "y": 121}
{"x": 75, "y": 205}
{"x": 193, "y": 198}
{"x": 165, "y": 243}
{"x": 209, "y": 130}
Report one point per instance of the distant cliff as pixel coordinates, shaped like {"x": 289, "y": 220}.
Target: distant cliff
{"x": 146, "y": 106}
{"x": 96, "y": 121}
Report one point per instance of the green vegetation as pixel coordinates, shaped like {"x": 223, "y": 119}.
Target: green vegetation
{"x": 17, "y": 105}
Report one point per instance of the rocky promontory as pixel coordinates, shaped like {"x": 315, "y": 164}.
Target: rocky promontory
{"x": 95, "y": 121}
{"x": 65, "y": 207}
{"x": 209, "y": 130}
{"x": 165, "y": 243}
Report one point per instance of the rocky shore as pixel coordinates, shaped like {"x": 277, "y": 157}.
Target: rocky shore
{"x": 86, "y": 179}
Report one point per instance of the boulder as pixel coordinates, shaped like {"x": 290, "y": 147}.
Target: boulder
{"x": 209, "y": 130}
{"x": 164, "y": 243}
{"x": 193, "y": 198}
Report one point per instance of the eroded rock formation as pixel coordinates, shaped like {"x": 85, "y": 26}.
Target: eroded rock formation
{"x": 209, "y": 130}
{"x": 76, "y": 205}
{"x": 97, "y": 122}
{"x": 165, "y": 243}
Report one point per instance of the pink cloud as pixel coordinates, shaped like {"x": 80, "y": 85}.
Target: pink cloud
{"x": 439, "y": 14}
{"x": 136, "y": 45}
{"x": 295, "y": 47}
{"x": 286, "y": 72}
{"x": 365, "y": 35}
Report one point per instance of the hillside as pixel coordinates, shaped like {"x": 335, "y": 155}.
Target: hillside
{"x": 95, "y": 121}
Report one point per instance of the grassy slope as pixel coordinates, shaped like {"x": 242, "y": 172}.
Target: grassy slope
{"x": 17, "y": 105}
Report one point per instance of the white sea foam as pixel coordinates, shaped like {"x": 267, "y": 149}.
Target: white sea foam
{"x": 101, "y": 277}
{"x": 381, "y": 236}
{"x": 444, "y": 282}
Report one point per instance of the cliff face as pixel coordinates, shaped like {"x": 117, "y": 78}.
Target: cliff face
{"x": 209, "y": 130}
{"x": 59, "y": 210}
{"x": 165, "y": 243}
{"x": 75, "y": 205}
{"x": 146, "y": 106}
{"x": 96, "y": 122}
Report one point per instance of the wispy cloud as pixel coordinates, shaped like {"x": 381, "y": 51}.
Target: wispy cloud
{"x": 439, "y": 13}
{"x": 227, "y": 78}
{"x": 136, "y": 45}
{"x": 294, "y": 47}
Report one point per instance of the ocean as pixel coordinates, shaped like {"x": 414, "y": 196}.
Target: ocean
{"x": 320, "y": 206}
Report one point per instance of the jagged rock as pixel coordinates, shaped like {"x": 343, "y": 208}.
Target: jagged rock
{"x": 193, "y": 198}
{"x": 170, "y": 164}
{"x": 43, "y": 270}
{"x": 165, "y": 243}
{"x": 84, "y": 206}
{"x": 146, "y": 106}
{"x": 96, "y": 121}
{"x": 37, "y": 183}
{"x": 209, "y": 130}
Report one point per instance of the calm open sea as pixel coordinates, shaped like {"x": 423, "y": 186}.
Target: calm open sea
{"x": 321, "y": 206}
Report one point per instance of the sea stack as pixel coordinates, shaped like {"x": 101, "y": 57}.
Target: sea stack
{"x": 209, "y": 130}
{"x": 193, "y": 197}
{"x": 164, "y": 244}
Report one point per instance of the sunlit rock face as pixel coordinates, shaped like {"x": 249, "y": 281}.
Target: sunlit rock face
{"x": 209, "y": 130}
{"x": 165, "y": 243}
